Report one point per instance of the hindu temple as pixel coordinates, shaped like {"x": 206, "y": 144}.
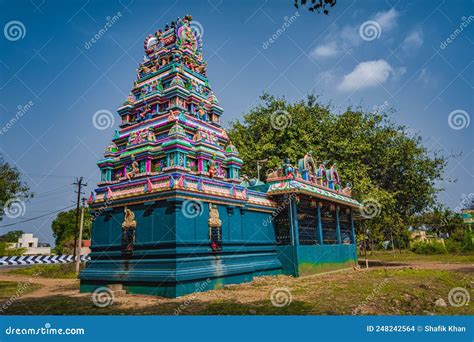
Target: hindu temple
{"x": 172, "y": 208}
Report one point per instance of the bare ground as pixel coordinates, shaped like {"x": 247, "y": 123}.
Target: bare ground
{"x": 412, "y": 289}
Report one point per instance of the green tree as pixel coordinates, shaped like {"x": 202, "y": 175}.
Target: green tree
{"x": 12, "y": 188}
{"x": 387, "y": 167}
{"x": 64, "y": 228}
{"x": 6, "y": 250}
{"x": 11, "y": 236}
{"x": 316, "y": 5}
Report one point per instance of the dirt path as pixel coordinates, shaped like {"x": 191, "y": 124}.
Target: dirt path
{"x": 458, "y": 267}
{"x": 67, "y": 287}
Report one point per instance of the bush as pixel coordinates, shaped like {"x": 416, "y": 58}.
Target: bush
{"x": 428, "y": 248}
{"x": 460, "y": 242}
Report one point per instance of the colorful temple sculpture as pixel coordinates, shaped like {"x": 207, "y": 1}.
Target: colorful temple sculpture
{"x": 172, "y": 208}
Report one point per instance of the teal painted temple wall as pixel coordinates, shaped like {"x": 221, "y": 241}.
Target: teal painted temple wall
{"x": 172, "y": 252}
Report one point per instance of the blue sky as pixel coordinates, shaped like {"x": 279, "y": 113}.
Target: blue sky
{"x": 376, "y": 54}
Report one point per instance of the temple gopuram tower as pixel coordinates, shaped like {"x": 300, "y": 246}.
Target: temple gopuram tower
{"x": 169, "y": 210}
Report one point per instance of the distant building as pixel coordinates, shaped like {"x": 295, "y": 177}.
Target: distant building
{"x": 420, "y": 235}
{"x": 85, "y": 247}
{"x": 31, "y": 245}
{"x": 468, "y": 215}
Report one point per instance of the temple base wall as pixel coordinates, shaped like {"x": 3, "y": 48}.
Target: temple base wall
{"x": 306, "y": 260}
{"x": 172, "y": 254}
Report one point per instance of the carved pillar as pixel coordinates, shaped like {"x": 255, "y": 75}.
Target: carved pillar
{"x": 353, "y": 236}
{"x": 338, "y": 227}
{"x": 319, "y": 223}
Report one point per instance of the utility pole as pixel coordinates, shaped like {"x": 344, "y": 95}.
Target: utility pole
{"x": 79, "y": 186}
{"x": 365, "y": 244}
{"x": 79, "y": 242}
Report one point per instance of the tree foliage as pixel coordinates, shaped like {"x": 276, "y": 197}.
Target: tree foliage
{"x": 11, "y": 187}
{"x": 64, "y": 228}
{"x": 11, "y": 236}
{"x": 386, "y": 165}
{"x": 7, "y": 250}
{"x": 316, "y": 5}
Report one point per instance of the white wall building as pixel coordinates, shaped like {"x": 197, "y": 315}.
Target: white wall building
{"x": 30, "y": 243}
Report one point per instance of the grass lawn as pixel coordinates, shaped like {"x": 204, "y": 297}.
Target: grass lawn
{"x": 378, "y": 292}
{"x": 10, "y": 289}
{"x": 408, "y": 256}
{"x": 62, "y": 271}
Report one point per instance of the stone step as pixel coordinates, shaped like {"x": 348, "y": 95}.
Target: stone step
{"x": 119, "y": 293}
{"x": 115, "y": 287}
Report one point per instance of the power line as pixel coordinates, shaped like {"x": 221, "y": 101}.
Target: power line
{"x": 37, "y": 217}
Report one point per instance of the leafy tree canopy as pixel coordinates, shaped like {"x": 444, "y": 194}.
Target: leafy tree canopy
{"x": 11, "y": 187}
{"x": 64, "y": 228}
{"x": 11, "y": 236}
{"x": 386, "y": 165}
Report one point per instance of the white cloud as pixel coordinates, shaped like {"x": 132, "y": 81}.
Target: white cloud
{"x": 366, "y": 75}
{"x": 413, "y": 40}
{"x": 387, "y": 20}
{"x": 325, "y": 50}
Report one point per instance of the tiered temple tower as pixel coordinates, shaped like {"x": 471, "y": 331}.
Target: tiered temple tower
{"x": 169, "y": 210}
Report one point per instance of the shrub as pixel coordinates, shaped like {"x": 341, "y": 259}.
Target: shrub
{"x": 428, "y": 248}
